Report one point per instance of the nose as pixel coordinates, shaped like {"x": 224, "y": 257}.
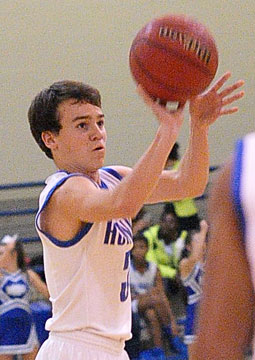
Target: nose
{"x": 96, "y": 133}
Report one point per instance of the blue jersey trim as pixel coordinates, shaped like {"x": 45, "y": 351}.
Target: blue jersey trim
{"x": 112, "y": 172}
{"x": 80, "y": 234}
{"x": 236, "y": 182}
{"x": 103, "y": 185}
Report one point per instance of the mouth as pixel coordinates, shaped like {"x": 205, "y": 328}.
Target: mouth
{"x": 99, "y": 148}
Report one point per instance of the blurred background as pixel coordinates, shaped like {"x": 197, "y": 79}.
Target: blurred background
{"x": 43, "y": 41}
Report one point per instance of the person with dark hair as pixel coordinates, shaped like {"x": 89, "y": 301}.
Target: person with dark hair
{"x": 141, "y": 221}
{"x": 149, "y": 299}
{"x": 166, "y": 243}
{"x": 185, "y": 209}
{"x": 17, "y": 330}
{"x": 85, "y": 210}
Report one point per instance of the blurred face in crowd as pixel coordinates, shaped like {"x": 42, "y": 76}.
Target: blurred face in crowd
{"x": 139, "y": 250}
{"x": 7, "y": 255}
{"x": 169, "y": 226}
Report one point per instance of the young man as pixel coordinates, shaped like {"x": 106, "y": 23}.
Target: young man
{"x": 85, "y": 210}
{"x": 226, "y": 321}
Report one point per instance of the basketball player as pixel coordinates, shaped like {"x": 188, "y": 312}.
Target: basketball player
{"x": 85, "y": 210}
{"x": 226, "y": 321}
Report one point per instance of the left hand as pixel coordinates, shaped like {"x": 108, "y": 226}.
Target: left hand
{"x": 207, "y": 107}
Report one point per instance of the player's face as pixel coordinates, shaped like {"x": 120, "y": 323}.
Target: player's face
{"x": 80, "y": 144}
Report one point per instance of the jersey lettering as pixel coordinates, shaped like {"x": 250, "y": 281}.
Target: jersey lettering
{"x": 117, "y": 233}
{"x": 125, "y": 286}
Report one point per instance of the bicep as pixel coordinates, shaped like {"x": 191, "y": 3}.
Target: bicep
{"x": 227, "y": 304}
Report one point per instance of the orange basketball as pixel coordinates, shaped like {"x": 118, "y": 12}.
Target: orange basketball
{"x": 173, "y": 57}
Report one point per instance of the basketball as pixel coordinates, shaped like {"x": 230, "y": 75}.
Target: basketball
{"x": 173, "y": 57}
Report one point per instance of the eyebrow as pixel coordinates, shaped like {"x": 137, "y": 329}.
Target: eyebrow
{"x": 85, "y": 117}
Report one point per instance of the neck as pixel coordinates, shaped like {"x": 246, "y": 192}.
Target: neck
{"x": 93, "y": 174}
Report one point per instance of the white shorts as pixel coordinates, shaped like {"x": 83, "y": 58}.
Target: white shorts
{"x": 62, "y": 348}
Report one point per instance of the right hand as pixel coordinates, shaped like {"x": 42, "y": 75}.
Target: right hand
{"x": 172, "y": 118}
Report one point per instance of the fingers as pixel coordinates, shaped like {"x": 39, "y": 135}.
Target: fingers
{"x": 181, "y": 105}
{"x": 233, "y": 98}
{"x": 231, "y": 88}
{"x": 146, "y": 97}
{"x": 157, "y": 104}
{"x": 221, "y": 81}
{"x": 229, "y": 111}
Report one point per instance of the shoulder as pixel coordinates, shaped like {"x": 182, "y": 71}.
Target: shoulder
{"x": 63, "y": 183}
{"x": 74, "y": 186}
{"x": 121, "y": 170}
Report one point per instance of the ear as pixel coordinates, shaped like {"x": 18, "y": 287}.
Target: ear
{"x": 49, "y": 139}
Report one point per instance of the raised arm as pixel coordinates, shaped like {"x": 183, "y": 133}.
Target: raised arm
{"x": 197, "y": 250}
{"x": 79, "y": 200}
{"x": 192, "y": 175}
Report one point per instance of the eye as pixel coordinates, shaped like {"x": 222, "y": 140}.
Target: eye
{"x": 100, "y": 123}
{"x": 82, "y": 125}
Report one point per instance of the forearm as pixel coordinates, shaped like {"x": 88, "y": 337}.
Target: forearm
{"x": 137, "y": 186}
{"x": 190, "y": 179}
{"x": 194, "y": 166}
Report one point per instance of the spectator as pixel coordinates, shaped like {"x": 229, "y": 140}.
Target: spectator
{"x": 17, "y": 331}
{"x": 165, "y": 247}
{"x": 185, "y": 209}
{"x": 149, "y": 300}
{"x": 191, "y": 271}
{"x": 141, "y": 221}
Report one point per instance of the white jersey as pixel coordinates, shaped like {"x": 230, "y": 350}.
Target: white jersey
{"x": 14, "y": 291}
{"x": 141, "y": 283}
{"x": 243, "y": 190}
{"x": 88, "y": 276}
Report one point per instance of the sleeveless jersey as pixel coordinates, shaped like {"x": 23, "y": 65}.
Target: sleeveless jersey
{"x": 243, "y": 192}
{"x": 192, "y": 284}
{"x": 88, "y": 276}
{"x": 14, "y": 291}
{"x": 142, "y": 282}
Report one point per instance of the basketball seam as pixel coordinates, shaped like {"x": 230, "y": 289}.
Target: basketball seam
{"x": 172, "y": 51}
{"x": 157, "y": 81}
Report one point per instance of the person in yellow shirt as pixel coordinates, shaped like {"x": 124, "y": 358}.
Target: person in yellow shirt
{"x": 185, "y": 209}
{"x": 166, "y": 243}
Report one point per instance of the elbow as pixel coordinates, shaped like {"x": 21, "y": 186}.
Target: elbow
{"x": 127, "y": 209}
{"x": 198, "y": 192}
{"x": 195, "y": 190}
